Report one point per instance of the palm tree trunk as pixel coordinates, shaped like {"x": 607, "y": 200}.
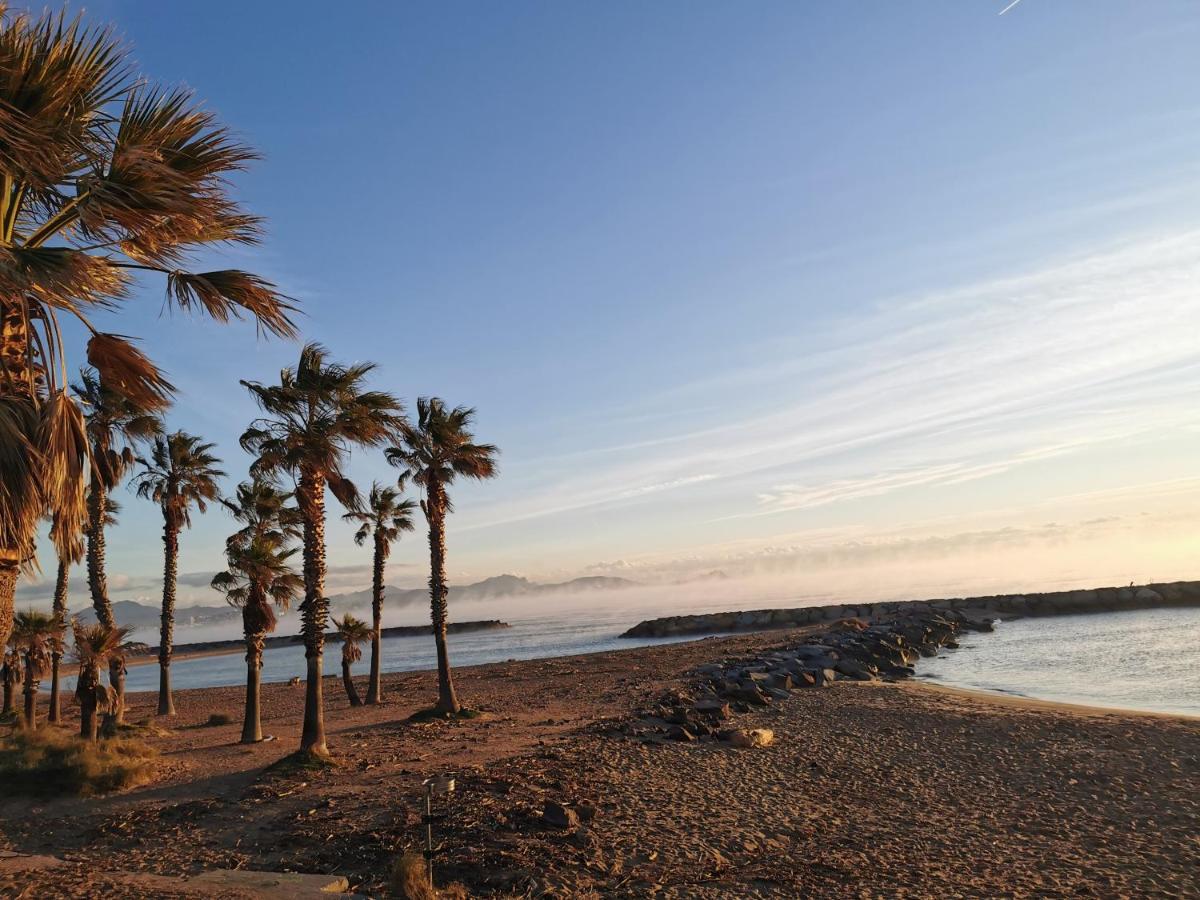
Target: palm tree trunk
{"x": 375, "y": 683}
{"x": 98, "y": 585}
{"x": 351, "y": 691}
{"x": 16, "y": 381}
{"x": 61, "y": 584}
{"x": 252, "y": 723}
{"x": 31, "y": 688}
{"x": 166, "y": 703}
{"x": 9, "y": 568}
{"x": 314, "y": 611}
{"x": 9, "y": 677}
{"x": 438, "y": 589}
{"x": 89, "y": 681}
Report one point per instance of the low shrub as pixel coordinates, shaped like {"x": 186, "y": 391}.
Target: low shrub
{"x": 51, "y": 761}
{"x": 219, "y": 718}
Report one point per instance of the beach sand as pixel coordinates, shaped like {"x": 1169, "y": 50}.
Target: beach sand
{"x": 893, "y": 790}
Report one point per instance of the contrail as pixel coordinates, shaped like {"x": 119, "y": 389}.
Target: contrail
{"x": 1007, "y": 8}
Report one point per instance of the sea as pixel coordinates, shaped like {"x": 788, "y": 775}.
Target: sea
{"x": 1136, "y": 659}
{"x": 1142, "y": 660}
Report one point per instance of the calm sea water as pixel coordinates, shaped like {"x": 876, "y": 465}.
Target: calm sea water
{"x": 1147, "y": 660}
{"x": 1137, "y": 660}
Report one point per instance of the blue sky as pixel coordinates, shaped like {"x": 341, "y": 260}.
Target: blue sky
{"x": 812, "y": 286}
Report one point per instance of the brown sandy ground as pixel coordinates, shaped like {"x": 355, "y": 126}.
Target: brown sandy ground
{"x": 869, "y": 790}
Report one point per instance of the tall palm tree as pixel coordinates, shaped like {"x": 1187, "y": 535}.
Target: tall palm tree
{"x": 104, "y": 177}
{"x": 353, "y": 632}
{"x": 10, "y": 674}
{"x": 70, "y": 551}
{"x": 116, "y": 423}
{"x": 259, "y": 578}
{"x": 317, "y": 412}
{"x": 34, "y": 635}
{"x": 180, "y": 473}
{"x": 434, "y": 452}
{"x": 388, "y": 513}
{"x": 96, "y": 646}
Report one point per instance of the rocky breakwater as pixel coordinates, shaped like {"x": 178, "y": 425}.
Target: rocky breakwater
{"x": 851, "y": 649}
{"x": 1008, "y": 606}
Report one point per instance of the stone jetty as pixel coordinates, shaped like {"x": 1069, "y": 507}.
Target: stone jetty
{"x": 1008, "y": 606}
{"x": 850, "y": 649}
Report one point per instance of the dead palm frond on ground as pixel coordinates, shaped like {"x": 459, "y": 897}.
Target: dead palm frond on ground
{"x": 105, "y": 177}
{"x": 434, "y": 452}
{"x": 387, "y": 514}
{"x": 180, "y": 473}
{"x": 312, "y": 418}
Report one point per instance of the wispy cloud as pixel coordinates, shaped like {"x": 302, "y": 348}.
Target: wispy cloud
{"x": 941, "y": 388}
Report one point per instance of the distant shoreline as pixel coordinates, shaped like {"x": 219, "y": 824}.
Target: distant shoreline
{"x": 205, "y": 649}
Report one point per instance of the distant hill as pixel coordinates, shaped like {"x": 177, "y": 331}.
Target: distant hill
{"x": 142, "y": 615}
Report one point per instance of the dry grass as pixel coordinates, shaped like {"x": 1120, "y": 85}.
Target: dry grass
{"x": 409, "y": 882}
{"x": 51, "y": 761}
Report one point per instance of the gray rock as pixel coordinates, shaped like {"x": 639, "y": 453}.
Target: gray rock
{"x": 558, "y": 815}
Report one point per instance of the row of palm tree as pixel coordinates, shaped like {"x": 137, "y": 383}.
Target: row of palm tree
{"x": 106, "y": 177}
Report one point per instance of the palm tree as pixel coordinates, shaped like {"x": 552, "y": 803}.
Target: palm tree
{"x": 106, "y": 177}
{"x": 10, "y": 673}
{"x": 180, "y": 473}
{"x": 316, "y": 413}
{"x": 388, "y": 513}
{"x": 258, "y": 578}
{"x": 115, "y": 424}
{"x": 34, "y": 635}
{"x": 69, "y": 548}
{"x": 353, "y": 632}
{"x": 434, "y": 452}
{"x": 96, "y": 646}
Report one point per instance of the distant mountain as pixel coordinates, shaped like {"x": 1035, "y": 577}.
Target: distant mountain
{"x": 141, "y": 615}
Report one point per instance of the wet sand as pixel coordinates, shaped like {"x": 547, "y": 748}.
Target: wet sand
{"x": 869, "y": 789}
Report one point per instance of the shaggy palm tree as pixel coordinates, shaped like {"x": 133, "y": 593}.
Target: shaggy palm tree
{"x": 180, "y": 473}
{"x": 70, "y": 551}
{"x": 34, "y": 635}
{"x": 116, "y": 423}
{"x": 388, "y": 513}
{"x": 317, "y": 412}
{"x": 353, "y": 632}
{"x": 10, "y": 674}
{"x": 259, "y": 578}
{"x": 434, "y": 452}
{"x": 96, "y": 646}
{"x": 104, "y": 176}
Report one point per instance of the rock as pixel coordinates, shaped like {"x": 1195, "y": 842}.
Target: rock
{"x": 558, "y": 815}
{"x": 755, "y": 737}
{"x": 753, "y": 696}
{"x": 713, "y": 709}
{"x": 586, "y": 810}
{"x": 679, "y": 733}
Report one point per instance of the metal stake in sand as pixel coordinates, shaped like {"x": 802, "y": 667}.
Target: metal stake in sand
{"x": 439, "y": 784}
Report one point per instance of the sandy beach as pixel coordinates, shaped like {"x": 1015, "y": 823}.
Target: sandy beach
{"x": 869, "y": 789}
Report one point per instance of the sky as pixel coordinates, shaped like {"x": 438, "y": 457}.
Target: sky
{"x": 875, "y": 298}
